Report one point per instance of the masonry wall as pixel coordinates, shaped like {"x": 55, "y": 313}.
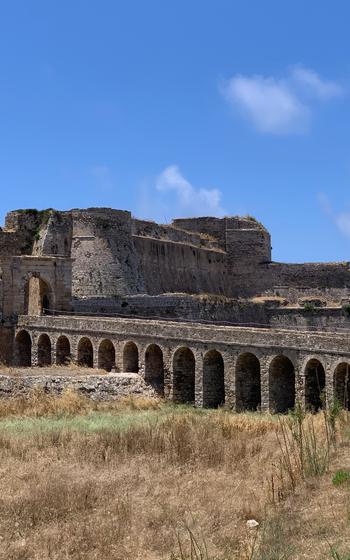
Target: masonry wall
{"x": 168, "y": 232}
{"x": 54, "y": 236}
{"x": 167, "y": 266}
{"x": 16, "y": 272}
{"x": 6, "y": 344}
{"x": 105, "y": 262}
{"x": 309, "y": 275}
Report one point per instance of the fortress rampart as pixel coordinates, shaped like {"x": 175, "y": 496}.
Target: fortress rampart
{"x": 60, "y": 272}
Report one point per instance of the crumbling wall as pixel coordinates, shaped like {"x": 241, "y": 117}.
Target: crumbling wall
{"x": 54, "y": 236}
{"x": 105, "y": 262}
{"x": 144, "y": 228}
{"x": 96, "y": 387}
{"x": 214, "y": 227}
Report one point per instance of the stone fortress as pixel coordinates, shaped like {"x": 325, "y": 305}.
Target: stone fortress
{"x": 195, "y": 311}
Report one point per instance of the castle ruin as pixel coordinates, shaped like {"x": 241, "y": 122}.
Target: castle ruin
{"x": 195, "y": 308}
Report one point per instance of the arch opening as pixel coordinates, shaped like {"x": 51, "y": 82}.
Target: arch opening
{"x": 213, "y": 380}
{"x": 248, "y": 382}
{"x": 154, "y": 368}
{"x": 184, "y": 376}
{"x": 342, "y": 385}
{"x": 85, "y": 353}
{"x": 44, "y": 350}
{"x": 38, "y": 296}
{"x": 131, "y": 358}
{"x": 62, "y": 351}
{"x": 106, "y": 355}
{"x": 281, "y": 385}
{"x": 315, "y": 381}
{"x": 23, "y": 349}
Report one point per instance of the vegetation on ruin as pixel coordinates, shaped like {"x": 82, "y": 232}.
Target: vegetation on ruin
{"x": 139, "y": 478}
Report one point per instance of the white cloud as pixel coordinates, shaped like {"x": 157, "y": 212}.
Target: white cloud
{"x": 279, "y": 106}
{"x": 171, "y": 195}
{"x": 340, "y": 219}
{"x": 311, "y": 82}
{"x": 343, "y": 223}
{"x": 189, "y": 200}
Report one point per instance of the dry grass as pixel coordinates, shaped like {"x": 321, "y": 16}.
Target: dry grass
{"x": 68, "y": 369}
{"x": 141, "y": 479}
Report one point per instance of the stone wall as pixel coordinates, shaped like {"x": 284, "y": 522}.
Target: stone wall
{"x": 105, "y": 262}
{"x": 327, "y": 277}
{"x": 168, "y": 266}
{"x": 96, "y": 387}
{"x": 54, "y": 236}
{"x": 243, "y": 367}
{"x": 55, "y": 272}
{"x": 168, "y": 232}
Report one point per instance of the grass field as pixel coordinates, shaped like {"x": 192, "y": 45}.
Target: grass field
{"x": 142, "y": 479}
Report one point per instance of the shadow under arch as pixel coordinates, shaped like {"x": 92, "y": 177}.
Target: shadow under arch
{"x": 106, "y": 355}
{"x": 281, "y": 384}
{"x": 23, "y": 349}
{"x": 342, "y": 385}
{"x": 85, "y": 353}
{"x": 130, "y": 357}
{"x": 315, "y": 382}
{"x": 248, "y": 382}
{"x": 62, "y": 351}
{"x": 44, "y": 350}
{"x": 154, "y": 368}
{"x": 184, "y": 366}
{"x": 213, "y": 379}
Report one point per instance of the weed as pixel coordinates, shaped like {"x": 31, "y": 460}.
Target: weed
{"x": 341, "y": 477}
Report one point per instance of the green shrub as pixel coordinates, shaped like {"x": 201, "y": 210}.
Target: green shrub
{"x": 341, "y": 477}
{"x": 309, "y": 307}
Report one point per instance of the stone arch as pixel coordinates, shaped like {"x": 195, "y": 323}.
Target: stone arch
{"x": 62, "y": 351}
{"x": 23, "y": 349}
{"x": 248, "y": 382}
{"x": 44, "y": 350}
{"x": 85, "y": 353}
{"x": 106, "y": 355}
{"x": 213, "y": 379}
{"x": 154, "y": 368}
{"x": 130, "y": 357}
{"x": 281, "y": 384}
{"x": 315, "y": 382}
{"x": 38, "y": 296}
{"x": 342, "y": 384}
{"x": 184, "y": 366}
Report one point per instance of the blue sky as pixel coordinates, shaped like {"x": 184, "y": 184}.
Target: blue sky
{"x": 174, "y": 108}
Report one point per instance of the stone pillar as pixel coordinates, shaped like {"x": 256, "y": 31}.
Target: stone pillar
{"x": 142, "y": 359}
{"x": 264, "y": 375}
{"x": 119, "y": 347}
{"x": 95, "y": 345}
{"x": 299, "y": 371}
{"x": 329, "y": 388}
{"x": 168, "y": 373}
{"x": 230, "y": 378}
{"x": 35, "y": 338}
{"x": 53, "y": 350}
{"x": 198, "y": 383}
{"x": 74, "y": 349}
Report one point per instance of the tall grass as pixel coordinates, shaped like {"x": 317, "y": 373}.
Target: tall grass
{"x": 139, "y": 478}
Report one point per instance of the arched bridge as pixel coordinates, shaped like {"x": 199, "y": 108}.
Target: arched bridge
{"x": 245, "y": 368}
